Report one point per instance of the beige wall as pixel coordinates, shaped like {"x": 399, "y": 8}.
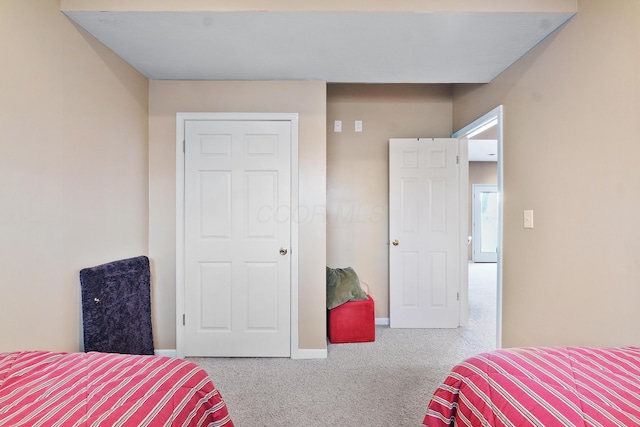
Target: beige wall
{"x": 73, "y": 118}
{"x": 479, "y": 173}
{"x": 571, "y": 150}
{"x": 358, "y": 171}
{"x": 73, "y": 168}
{"x": 308, "y": 99}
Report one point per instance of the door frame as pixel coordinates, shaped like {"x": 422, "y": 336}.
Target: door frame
{"x": 497, "y": 115}
{"x": 181, "y": 118}
{"x": 476, "y": 229}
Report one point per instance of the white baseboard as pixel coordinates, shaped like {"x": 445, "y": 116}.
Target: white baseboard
{"x": 311, "y": 353}
{"x": 383, "y": 321}
{"x": 169, "y": 353}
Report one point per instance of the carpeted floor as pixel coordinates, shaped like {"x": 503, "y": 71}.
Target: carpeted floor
{"x": 384, "y": 383}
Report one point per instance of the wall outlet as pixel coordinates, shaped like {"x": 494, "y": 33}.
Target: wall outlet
{"x": 337, "y": 126}
{"x": 358, "y": 125}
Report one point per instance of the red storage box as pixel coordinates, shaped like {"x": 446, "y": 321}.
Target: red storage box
{"x": 353, "y": 321}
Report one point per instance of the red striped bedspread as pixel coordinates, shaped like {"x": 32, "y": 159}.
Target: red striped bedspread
{"x": 99, "y": 389}
{"x": 552, "y": 386}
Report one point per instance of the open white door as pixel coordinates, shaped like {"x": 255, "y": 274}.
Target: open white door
{"x": 424, "y": 231}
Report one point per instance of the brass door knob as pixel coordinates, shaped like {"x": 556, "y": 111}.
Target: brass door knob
{"x": 283, "y": 251}
{"x": 396, "y": 243}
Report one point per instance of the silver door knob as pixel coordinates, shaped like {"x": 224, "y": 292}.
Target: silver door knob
{"x": 396, "y": 243}
{"x": 283, "y": 251}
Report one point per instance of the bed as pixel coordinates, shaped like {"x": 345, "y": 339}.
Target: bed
{"x": 550, "y": 386}
{"x": 106, "y": 389}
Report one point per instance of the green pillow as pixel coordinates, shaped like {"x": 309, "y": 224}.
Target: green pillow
{"x": 343, "y": 285}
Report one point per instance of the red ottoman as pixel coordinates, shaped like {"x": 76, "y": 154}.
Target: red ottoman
{"x": 353, "y": 321}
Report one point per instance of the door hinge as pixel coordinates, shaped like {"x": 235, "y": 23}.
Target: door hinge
{"x": 457, "y": 160}
{"x": 183, "y": 321}
{"x": 458, "y": 296}
{"x": 184, "y": 146}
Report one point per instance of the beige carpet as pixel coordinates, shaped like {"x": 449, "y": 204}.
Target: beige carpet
{"x": 384, "y": 383}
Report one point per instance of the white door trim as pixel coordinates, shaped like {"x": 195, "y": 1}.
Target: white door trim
{"x": 180, "y": 195}
{"x": 463, "y": 227}
{"x": 495, "y": 114}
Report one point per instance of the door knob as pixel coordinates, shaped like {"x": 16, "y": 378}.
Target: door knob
{"x": 283, "y": 251}
{"x": 396, "y": 243}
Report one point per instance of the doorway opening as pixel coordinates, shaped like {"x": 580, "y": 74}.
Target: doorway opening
{"x": 484, "y": 286}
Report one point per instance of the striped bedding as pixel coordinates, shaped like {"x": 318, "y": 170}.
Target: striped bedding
{"x": 99, "y": 389}
{"x": 551, "y": 386}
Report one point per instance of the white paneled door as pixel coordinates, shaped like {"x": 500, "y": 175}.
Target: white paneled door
{"x": 424, "y": 221}
{"x": 237, "y": 238}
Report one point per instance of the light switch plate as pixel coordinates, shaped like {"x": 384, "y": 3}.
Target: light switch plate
{"x": 528, "y": 219}
{"x": 358, "y": 126}
{"x": 337, "y": 126}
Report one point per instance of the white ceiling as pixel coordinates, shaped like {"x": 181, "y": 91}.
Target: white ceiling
{"x": 483, "y": 146}
{"x": 483, "y": 150}
{"x": 347, "y": 47}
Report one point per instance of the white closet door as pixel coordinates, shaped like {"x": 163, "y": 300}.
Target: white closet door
{"x": 237, "y": 238}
